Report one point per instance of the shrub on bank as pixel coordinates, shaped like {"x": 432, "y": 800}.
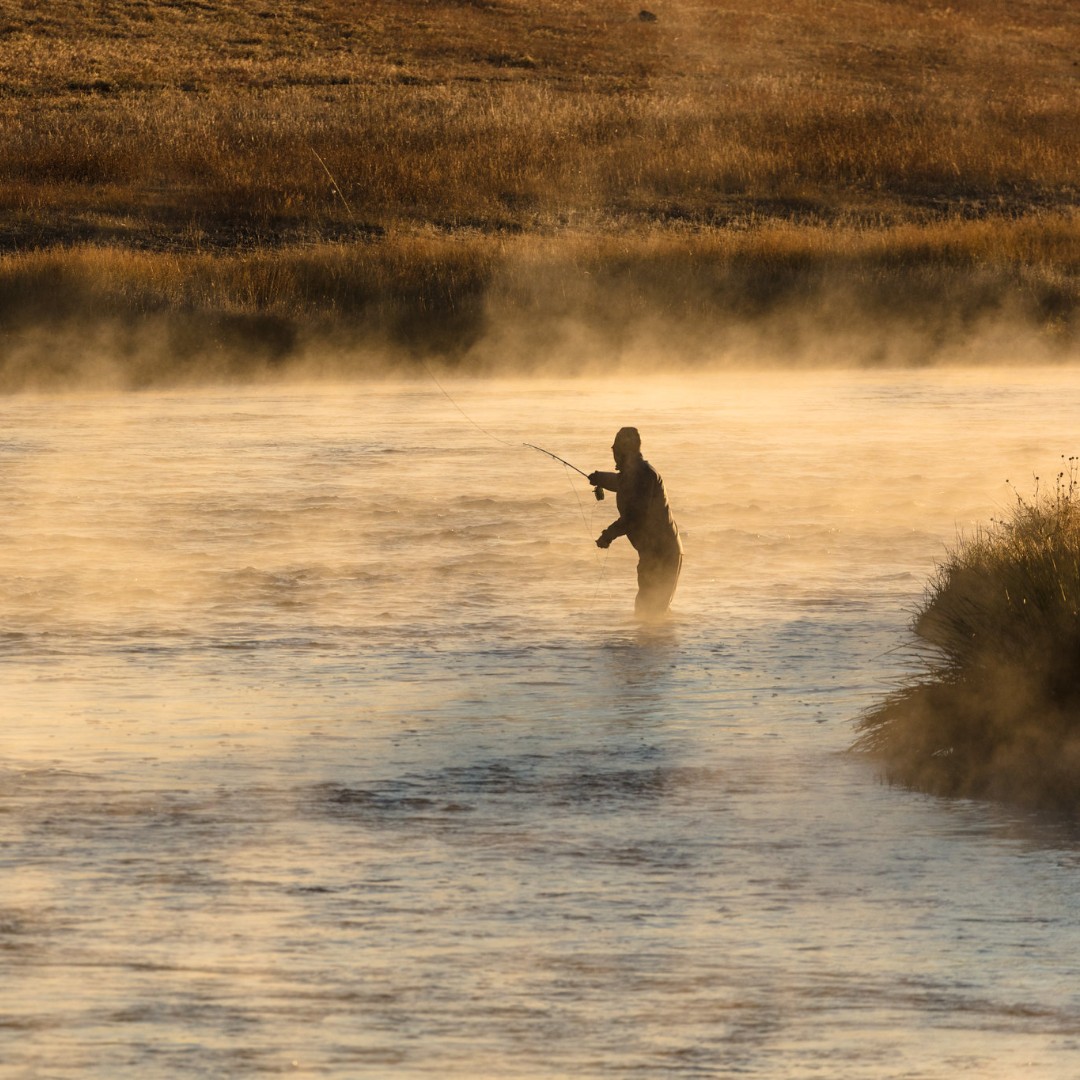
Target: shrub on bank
{"x": 993, "y": 710}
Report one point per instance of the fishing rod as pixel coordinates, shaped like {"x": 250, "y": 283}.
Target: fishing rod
{"x": 598, "y": 491}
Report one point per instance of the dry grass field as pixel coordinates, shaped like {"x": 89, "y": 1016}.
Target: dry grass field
{"x": 542, "y": 179}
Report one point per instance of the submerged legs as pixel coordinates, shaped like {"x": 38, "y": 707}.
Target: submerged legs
{"x": 657, "y": 577}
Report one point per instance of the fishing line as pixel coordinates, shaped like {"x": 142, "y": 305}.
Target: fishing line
{"x": 333, "y": 181}
{"x": 442, "y": 389}
{"x": 570, "y": 481}
{"x": 600, "y": 579}
{"x": 599, "y": 495}
{"x": 336, "y": 187}
{"x": 566, "y": 467}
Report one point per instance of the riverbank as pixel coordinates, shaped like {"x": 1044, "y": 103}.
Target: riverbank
{"x": 990, "y": 710}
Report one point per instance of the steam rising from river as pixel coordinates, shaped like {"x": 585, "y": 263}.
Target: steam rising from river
{"x": 327, "y": 737}
{"x": 544, "y": 315}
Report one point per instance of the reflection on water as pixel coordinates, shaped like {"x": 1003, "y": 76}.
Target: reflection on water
{"x": 329, "y": 746}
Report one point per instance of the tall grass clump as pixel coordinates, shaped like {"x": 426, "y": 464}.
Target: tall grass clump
{"x": 993, "y": 709}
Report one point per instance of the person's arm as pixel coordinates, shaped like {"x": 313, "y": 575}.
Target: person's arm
{"x": 612, "y": 532}
{"x": 609, "y": 481}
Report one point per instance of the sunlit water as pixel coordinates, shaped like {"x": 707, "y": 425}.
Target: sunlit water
{"x": 329, "y": 746}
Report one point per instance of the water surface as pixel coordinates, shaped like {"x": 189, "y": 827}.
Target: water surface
{"x": 329, "y": 746}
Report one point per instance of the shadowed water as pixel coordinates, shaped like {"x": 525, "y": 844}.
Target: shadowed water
{"x": 329, "y": 746}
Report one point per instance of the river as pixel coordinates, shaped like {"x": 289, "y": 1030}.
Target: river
{"x": 329, "y": 746}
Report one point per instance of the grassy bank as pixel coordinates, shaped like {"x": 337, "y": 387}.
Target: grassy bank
{"x": 781, "y": 293}
{"x": 993, "y": 709}
{"x": 388, "y": 172}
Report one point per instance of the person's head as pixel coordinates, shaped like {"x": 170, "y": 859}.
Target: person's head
{"x": 626, "y": 447}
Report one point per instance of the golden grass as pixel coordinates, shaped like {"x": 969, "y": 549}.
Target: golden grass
{"x": 803, "y": 294}
{"x": 993, "y": 709}
{"x": 358, "y": 161}
{"x": 311, "y": 280}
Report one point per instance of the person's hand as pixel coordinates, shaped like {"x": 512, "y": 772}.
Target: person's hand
{"x": 603, "y": 540}
{"x": 594, "y": 479}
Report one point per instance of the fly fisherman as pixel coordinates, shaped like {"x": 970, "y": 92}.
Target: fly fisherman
{"x": 645, "y": 520}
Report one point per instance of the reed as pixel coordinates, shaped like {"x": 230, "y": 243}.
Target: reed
{"x": 993, "y": 709}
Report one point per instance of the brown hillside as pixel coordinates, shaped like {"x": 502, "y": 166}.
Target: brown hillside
{"x": 377, "y": 160}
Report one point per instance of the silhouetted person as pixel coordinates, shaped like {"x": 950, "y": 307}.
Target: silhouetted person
{"x": 645, "y": 520}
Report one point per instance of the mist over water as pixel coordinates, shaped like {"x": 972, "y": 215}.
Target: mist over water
{"x": 329, "y": 746}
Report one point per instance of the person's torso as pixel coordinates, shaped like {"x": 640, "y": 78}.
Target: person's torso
{"x": 643, "y": 505}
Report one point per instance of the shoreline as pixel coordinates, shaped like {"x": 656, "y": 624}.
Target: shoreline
{"x": 780, "y": 292}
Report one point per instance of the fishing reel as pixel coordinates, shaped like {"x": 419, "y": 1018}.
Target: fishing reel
{"x": 599, "y": 493}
